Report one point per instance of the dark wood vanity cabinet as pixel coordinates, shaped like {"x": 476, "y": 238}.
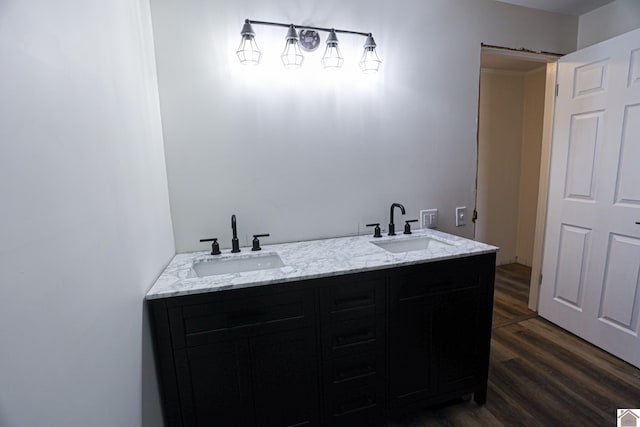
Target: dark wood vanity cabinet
{"x": 240, "y": 358}
{"x": 268, "y": 380}
{"x": 339, "y": 351}
{"x": 440, "y": 331}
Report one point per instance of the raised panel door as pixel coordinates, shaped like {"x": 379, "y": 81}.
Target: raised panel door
{"x": 214, "y": 384}
{"x": 410, "y": 346}
{"x": 591, "y": 261}
{"x": 457, "y": 331}
{"x": 285, "y": 379}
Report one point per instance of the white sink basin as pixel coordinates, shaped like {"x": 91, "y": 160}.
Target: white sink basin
{"x": 409, "y": 245}
{"x": 213, "y": 267}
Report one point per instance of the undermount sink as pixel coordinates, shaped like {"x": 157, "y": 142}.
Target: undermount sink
{"x": 213, "y": 267}
{"x": 409, "y": 245}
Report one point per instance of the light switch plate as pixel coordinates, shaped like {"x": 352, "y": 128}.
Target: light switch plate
{"x": 429, "y": 218}
{"x": 461, "y": 216}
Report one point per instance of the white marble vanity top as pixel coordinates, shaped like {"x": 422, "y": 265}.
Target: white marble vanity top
{"x": 309, "y": 260}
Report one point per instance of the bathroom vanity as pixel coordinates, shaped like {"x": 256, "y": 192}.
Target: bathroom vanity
{"x": 342, "y": 332}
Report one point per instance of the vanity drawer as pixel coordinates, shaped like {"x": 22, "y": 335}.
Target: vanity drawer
{"x": 354, "y": 369}
{"x": 417, "y": 282}
{"x": 353, "y": 336}
{"x": 199, "y": 324}
{"x": 357, "y": 406}
{"x": 350, "y": 296}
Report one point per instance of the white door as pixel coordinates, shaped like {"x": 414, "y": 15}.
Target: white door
{"x": 591, "y": 265}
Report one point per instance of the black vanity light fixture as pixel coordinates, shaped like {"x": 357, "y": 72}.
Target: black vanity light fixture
{"x": 307, "y": 39}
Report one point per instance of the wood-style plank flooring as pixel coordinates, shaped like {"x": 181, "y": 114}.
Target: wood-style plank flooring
{"x": 540, "y": 375}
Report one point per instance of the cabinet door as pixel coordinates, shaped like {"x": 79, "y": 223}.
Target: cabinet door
{"x": 409, "y": 338}
{"x": 457, "y": 331}
{"x": 215, "y": 385}
{"x": 285, "y": 379}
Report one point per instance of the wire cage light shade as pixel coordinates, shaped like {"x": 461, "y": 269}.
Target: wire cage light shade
{"x": 292, "y": 54}
{"x": 248, "y": 51}
{"x": 332, "y": 58}
{"x": 370, "y": 62}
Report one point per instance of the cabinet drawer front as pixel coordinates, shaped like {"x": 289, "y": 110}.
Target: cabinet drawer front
{"x": 357, "y": 406}
{"x": 352, "y": 336}
{"x": 417, "y": 282}
{"x": 353, "y": 296}
{"x": 358, "y": 368}
{"x": 205, "y": 323}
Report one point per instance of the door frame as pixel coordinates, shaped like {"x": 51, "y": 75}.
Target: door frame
{"x": 543, "y": 184}
{"x": 550, "y": 59}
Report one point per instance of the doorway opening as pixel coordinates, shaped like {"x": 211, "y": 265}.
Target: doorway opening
{"x": 517, "y": 90}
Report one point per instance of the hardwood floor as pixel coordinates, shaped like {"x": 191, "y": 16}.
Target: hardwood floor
{"x": 511, "y": 295}
{"x": 540, "y": 375}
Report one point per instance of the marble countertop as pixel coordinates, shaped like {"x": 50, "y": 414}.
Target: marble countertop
{"x": 309, "y": 260}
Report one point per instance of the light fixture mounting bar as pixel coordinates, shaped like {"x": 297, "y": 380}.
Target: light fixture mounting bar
{"x": 306, "y": 27}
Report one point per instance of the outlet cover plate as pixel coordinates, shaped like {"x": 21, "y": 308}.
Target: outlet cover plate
{"x": 429, "y": 218}
{"x": 461, "y": 216}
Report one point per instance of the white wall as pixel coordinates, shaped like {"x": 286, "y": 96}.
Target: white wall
{"x": 84, "y": 212}
{"x": 532, "y": 121}
{"x": 499, "y": 150}
{"x": 608, "y": 21}
{"x": 309, "y": 154}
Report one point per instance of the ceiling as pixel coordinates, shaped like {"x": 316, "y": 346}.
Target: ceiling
{"x": 568, "y": 7}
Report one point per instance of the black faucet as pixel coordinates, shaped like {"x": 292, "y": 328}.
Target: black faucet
{"x": 235, "y": 246}
{"x": 392, "y": 226}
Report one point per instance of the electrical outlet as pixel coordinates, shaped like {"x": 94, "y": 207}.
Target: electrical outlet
{"x": 429, "y": 218}
{"x": 461, "y": 216}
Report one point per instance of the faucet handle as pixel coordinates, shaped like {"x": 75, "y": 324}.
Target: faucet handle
{"x": 376, "y": 231}
{"x": 256, "y": 242}
{"x": 407, "y": 225}
{"x": 215, "y": 247}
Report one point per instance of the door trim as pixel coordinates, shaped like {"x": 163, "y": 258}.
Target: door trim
{"x": 543, "y": 184}
{"x": 526, "y": 54}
